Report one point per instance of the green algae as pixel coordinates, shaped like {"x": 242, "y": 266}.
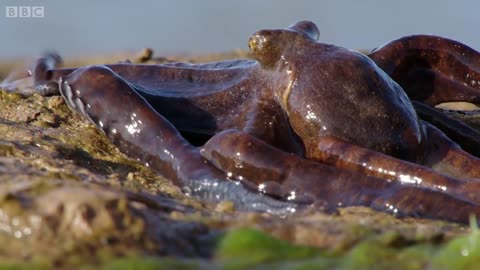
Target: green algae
{"x": 251, "y": 249}
{"x": 259, "y": 251}
{"x": 460, "y": 253}
{"x": 263, "y": 252}
{"x": 150, "y": 263}
{"x": 245, "y": 248}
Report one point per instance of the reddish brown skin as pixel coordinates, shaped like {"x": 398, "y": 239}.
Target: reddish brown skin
{"x": 307, "y": 123}
{"x": 431, "y": 69}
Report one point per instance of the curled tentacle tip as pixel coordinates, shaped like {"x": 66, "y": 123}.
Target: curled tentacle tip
{"x": 52, "y": 55}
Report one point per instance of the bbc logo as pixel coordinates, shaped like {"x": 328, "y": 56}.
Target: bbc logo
{"x": 24, "y": 12}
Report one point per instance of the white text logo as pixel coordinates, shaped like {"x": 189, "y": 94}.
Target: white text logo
{"x": 24, "y": 12}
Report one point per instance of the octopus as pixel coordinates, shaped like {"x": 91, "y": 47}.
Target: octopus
{"x": 306, "y": 124}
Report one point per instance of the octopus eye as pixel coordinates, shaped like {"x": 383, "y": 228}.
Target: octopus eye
{"x": 259, "y": 42}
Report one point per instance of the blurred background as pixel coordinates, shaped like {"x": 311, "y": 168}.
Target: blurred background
{"x": 202, "y": 26}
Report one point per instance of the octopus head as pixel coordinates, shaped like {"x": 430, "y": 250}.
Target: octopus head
{"x": 268, "y": 46}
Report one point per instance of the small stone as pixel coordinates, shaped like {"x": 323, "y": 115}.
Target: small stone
{"x": 225, "y": 207}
